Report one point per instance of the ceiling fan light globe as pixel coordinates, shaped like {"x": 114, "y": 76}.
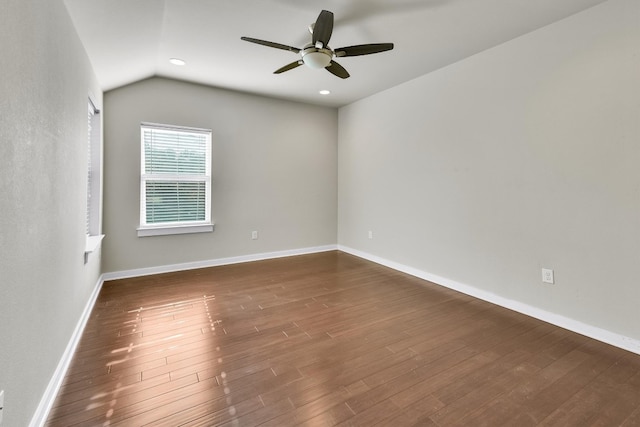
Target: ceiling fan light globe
{"x": 316, "y": 58}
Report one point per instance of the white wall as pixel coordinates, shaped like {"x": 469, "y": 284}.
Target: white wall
{"x": 274, "y": 171}
{"x": 521, "y": 157}
{"x": 45, "y": 81}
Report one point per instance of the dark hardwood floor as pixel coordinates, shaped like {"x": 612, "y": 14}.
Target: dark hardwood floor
{"x": 330, "y": 339}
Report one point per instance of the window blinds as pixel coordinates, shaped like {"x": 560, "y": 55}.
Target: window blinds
{"x": 176, "y": 175}
{"x": 93, "y": 171}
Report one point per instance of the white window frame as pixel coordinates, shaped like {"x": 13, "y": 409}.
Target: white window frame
{"x": 179, "y": 227}
{"x": 94, "y": 179}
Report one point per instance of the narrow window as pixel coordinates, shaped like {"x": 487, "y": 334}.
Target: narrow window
{"x": 94, "y": 164}
{"x": 175, "y": 180}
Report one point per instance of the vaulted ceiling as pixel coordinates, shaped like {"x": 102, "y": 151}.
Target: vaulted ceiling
{"x": 130, "y": 40}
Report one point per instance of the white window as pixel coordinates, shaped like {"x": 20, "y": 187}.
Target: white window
{"x": 175, "y": 180}
{"x": 94, "y": 166}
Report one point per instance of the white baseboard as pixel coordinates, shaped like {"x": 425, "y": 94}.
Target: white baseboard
{"x": 49, "y": 397}
{"x": 590, "y": 331}
{"x": 215, "y": 262}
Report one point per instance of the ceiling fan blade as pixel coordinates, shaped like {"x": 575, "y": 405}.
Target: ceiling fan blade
{"x": 363, "y": 49}
{"x": 288, "y": 67}
{"x": 323, "y": 28}
{"x": 271, "y": 44}
{"x": 337, "y": 70}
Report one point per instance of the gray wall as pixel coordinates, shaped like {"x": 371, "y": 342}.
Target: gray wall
{"x": 274, "y": 171}
{"x": 521, "y": 157}
{"x": 45, "y": 80}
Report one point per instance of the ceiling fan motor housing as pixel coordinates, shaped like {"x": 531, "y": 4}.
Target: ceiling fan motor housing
{"x": 314, "y": 57}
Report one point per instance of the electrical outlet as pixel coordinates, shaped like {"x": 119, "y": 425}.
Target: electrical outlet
{"x": 370, "y": 234}
{"x": 1, "y": 404}
{"x": 254, "y": 235}
{"x": 547, "y": 275}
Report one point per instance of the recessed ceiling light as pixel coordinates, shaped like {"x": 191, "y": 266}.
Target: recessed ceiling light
{"x": 324, "y": 92}
{"x": 177, "y": 61}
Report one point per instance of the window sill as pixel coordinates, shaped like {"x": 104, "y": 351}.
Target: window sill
{"x": 93, "y": 243}
{"x": 174, "y": 229}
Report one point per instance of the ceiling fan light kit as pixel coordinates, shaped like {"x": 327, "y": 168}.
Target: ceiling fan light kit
{"x": 316, "y": 58}
{"x": 318, "y": 54}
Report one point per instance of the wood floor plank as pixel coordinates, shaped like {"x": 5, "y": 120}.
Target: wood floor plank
{"x": 545, "y": 402}
{"x": 461, "y": 410}
{"x": 600, "y": 403}
{"x": 632, "y": 420}
{"x": 330, "y": 339}
{"x": 372, "y": 415}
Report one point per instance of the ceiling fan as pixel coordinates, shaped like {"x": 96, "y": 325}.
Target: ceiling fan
{"x": 318, "y": 54}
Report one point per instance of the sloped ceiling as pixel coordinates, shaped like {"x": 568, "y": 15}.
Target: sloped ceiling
{"x": 130, "y": 40}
